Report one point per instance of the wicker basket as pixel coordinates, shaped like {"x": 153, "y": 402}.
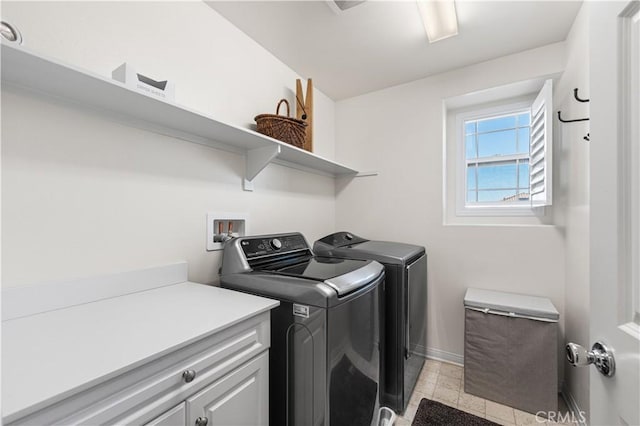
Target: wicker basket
{"x": 285, "y": 129}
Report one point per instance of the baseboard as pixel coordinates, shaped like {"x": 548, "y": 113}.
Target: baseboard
{"x": 440, "y": 355}
{"x": 573, "y": 407}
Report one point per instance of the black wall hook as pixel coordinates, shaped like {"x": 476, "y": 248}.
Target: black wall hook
{"x": 575, "y": 95}
{"x": 570, "y": 121}
{"x": 579, "y": 99}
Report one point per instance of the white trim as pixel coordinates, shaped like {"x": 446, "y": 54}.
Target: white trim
{"x": 631, "y": 328}
{"x": 462, "y": 209}
{"x": 573, "y": 407}
{"x": 628, "y": 163}
{"x": 541, "y": 163}
{"x": 24, "y": 301}
{"x": 440, "y": 355}
{"x": 496, "y": 111}
{"x": 498, "y": 159}
{"x": 523, "y": 209}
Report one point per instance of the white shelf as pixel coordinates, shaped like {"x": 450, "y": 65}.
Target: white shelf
{"x": 28, "y": 70}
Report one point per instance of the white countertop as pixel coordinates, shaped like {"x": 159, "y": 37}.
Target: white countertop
{"x": 52, "y": 355}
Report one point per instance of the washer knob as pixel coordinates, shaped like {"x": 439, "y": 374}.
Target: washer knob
{"x": 276, "y": 244}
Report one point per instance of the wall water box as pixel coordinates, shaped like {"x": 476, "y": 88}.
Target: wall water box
{"x": 223, "y": 226}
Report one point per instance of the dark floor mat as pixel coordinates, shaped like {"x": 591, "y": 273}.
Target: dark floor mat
{"x": 432, "y": 413}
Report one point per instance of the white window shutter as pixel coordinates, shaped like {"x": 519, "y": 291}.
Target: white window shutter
{"x": 540, "y": 147}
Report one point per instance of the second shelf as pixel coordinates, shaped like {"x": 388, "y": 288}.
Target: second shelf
{"x": 28, "y": 70}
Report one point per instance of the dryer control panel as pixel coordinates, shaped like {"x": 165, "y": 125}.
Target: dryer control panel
{"x": 342, "y": 239}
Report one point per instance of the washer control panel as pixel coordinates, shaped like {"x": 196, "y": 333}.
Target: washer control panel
{"x": 262, "y": 246}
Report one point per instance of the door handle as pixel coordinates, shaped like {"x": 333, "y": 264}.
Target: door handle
{"x": 600, "y": 355}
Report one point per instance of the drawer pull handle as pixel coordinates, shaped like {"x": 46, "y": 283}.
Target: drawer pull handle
{"x": 188, "y": 376}
{"x": 202, "y": 421}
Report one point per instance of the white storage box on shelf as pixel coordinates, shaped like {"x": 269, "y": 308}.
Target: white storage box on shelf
{"x": 126, "y": 74}
{"x": 511, "y": 349}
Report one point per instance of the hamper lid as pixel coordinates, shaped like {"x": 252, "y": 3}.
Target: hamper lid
{"x": 518, "y": 304}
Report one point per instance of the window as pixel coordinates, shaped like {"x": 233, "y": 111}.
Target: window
{"x": 504, "y": 155}
{"x": 497, "y": 158}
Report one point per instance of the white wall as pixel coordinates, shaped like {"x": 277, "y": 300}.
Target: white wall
{"x": 82, "y": 195}
{"x": 572, "y": 159}
{"x": 399, "y": 132}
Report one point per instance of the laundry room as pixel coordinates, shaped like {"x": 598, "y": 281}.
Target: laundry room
{"x": 320, "y": 212}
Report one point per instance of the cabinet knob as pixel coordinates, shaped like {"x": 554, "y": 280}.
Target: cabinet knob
{"x": 202, "y": 421}
{"x": 188, "y": 376}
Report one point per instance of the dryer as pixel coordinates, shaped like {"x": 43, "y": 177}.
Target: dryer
{"x": 405, "y": 306}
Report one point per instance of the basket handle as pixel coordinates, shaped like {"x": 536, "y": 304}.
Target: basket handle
{"x": 280, "y": 103}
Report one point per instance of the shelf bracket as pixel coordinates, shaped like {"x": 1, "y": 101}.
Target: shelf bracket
{"x": 257, "y": 160}
{"x": 366, "y": 174}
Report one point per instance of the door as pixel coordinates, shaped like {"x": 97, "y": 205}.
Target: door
{"x": 241, "y": 398}
{"x": 614, "y": 214}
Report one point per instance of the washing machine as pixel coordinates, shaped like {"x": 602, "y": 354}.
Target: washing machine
{"x": 324, "y": 359}
{"x": 405, "y": 308}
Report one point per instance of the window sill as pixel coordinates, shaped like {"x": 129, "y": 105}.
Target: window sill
{"x": 501, "y": 225}
{"x": 500, "y": 216}
{"x": 491, "y": 211}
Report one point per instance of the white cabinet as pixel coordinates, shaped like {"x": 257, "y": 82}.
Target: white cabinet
{"x": 177, "y": 416}
{"x": 222, "y": 374}
{"x": 239, "y": 399}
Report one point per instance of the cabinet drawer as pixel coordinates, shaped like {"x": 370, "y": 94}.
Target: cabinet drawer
{"x": 145, "y": 392}
{"x": 238, "y": 399}
{"x": 177, "y": 416}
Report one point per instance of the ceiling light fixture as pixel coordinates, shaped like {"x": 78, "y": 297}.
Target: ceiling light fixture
{"x": 439, "y": 18}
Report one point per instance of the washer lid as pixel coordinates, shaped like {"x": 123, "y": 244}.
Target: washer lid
{"x": 511, "y": 303}
{"x": 343, "y": 275}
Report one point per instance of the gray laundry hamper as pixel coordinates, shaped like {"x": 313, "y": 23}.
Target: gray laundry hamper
{"x": 511, "y": 349}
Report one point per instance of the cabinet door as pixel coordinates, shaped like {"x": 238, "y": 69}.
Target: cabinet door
{"x": 177, "y": 416}
{"x": 241, "y": 398}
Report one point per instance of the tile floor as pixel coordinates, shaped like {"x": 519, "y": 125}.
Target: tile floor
{"x": 443, "y": 382}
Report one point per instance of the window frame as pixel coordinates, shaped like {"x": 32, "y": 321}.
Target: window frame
{"x": 522, "y": 208}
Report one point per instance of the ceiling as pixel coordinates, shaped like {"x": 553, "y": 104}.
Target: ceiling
{"x": 379, "y": 44}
